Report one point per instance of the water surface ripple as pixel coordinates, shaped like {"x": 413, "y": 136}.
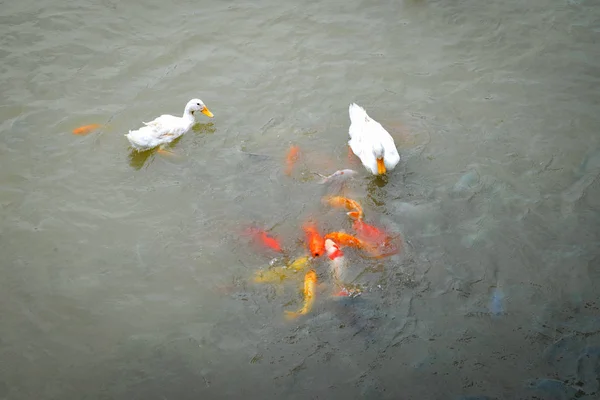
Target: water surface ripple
{"x": 125, "y": 276}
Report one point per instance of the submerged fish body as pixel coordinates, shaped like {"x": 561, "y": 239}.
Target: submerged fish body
{"x": 272, "y": 275}
{"x": 344, "y": 239}
{"x": 337, "y": 266}
{"x": 338, "y": 176}
{"x": 293, "y": 155}
{"x": 589, "y": 164}
{"x": 314, "y": 240}
{"x": 496, "y": 305}
{"x": 467, "y": 181}
{"x": 355, "y": 210}
{"x": 282, "y": 273}
{"x": 299, "y": 264}
{"x": 553, "y": 387}
{"x": 85, "y": 129}
{"x": 375, "y": 241}
{"x": 310, "y": 282}
{"x": 264, "y": 238}
{"x": 336, "y": 259}
{"x": 367, "y": 232}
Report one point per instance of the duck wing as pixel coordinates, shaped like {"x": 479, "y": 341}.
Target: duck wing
{"x": 163, "y": 121}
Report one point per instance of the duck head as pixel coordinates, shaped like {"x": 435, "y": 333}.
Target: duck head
{"x": 197, "y": 105}
{"x": 378, "y": 152}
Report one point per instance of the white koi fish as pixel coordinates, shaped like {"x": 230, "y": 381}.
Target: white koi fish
{"x": 337, "y": 176}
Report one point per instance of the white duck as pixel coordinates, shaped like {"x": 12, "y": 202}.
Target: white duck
{"x": 371, "y": 142}
{"x": 166, "y": 128}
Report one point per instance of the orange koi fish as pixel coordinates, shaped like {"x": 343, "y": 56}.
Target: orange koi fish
{"x": 85, "y": 129}
{"x": 368, "y": 232}
{"x": 355, "y": 210}
{"x": 378, "y": 243}
{"x": 345, "y": 239}
{"x": 385, "y": 249}
{"x": 292, "y": 156}
{"x": 261, "y": 236}
{"x": 316, "y": 243}
{"x": 310, "y": 282}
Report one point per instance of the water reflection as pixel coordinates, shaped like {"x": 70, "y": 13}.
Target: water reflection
{"x": 499, "y": 172}
{"x": 207, "y": 128}
{"x": 137, "y": 159}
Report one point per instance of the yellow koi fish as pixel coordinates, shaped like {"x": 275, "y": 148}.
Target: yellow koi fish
{"x": 299, "y": 263}
{"x": 310, "y": 282}
{"x": 279, "y": 274}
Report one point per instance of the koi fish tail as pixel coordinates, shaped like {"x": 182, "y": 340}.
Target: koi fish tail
{"x": 289, "y": 315}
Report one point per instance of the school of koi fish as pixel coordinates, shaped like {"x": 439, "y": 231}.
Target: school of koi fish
{"x": 369, "y": 141}
{"x": 372, "y": 241}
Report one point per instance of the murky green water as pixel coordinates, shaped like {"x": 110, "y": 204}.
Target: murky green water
{"x": 126, "y": 277}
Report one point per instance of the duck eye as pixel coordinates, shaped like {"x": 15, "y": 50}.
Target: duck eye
{"x": 198, "y": 104}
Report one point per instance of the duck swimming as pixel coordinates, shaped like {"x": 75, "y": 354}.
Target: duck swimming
{"x": 371, "y": 142}
{"x": 166, "y": 128}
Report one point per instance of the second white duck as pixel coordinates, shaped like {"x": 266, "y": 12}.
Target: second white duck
{"x": 371, "y": 142}
{"x": 166, "y": 128}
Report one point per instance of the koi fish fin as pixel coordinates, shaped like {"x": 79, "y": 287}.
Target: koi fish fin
{"x": 354, "y": 215}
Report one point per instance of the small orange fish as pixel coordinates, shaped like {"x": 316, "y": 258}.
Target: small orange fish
{"x": 292, "y": 156}
{"x": 310, "y": 282}
{"x": 264, "y": 238}
{"x": 345, "y": 239}
{"x": 85, "y": 129}
{"x": 355, "y": 210}
{"x": 316, "y": 243}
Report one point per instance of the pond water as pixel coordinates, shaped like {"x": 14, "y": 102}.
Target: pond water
{"x": 128, "y": 276}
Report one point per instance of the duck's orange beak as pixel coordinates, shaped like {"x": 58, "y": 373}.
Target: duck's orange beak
{"x": 380, "y": 166}
{"x": 207, "y": 112}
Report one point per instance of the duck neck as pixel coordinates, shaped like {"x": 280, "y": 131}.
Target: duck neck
{"x": 187, "y": 114}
